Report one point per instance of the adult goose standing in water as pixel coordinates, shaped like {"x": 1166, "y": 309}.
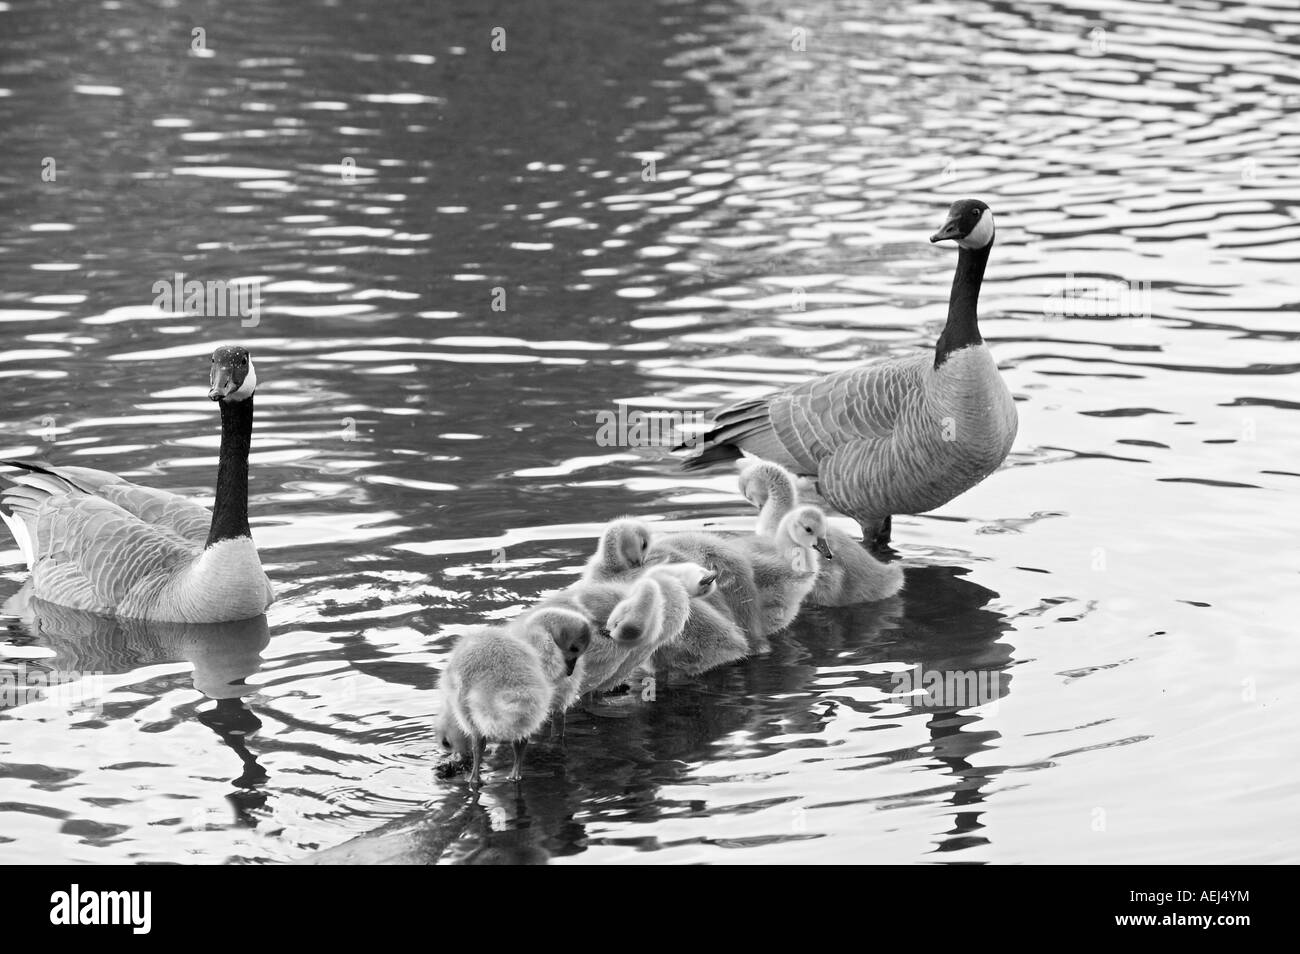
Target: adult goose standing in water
{"x": 898, "y": 435}
{"x": 96, "y": 542}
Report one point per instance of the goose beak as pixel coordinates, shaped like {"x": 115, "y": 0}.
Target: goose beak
{"x": 951, "y": 230}
{"x": 221, "y": 381}
{"x": 822, "y": 547}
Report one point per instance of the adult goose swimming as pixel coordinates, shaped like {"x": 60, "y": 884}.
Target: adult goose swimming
{"x": 899, "y": 435}
{"x": 96, "y": 542}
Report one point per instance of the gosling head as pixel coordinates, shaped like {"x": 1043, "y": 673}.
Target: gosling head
{"x": 232, "y": 377}
{"x": 695, "y": 579}
{"x": 570, "y": 631}
{"x": 756, "y": 483}
{"x": 807, "y": 527}
{"x": 624, "y": 544}
{"x": 970, "y": 224}
{"x": 760, "y": 480}
{"x": 639, "y": 616}
{"x": 451, "y": 738}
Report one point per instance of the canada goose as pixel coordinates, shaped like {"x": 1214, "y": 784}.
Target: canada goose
{"x": 654, "y": 613}
{"x": 96, "y": 542}
{"x": 737, "y": 594}
{"x": 621, "y": 552}
{"x": 853, "y": 576}
{"x": 898, "y": 435}
{"x": 785, "y": 567}
{"x": 494, "y": 689}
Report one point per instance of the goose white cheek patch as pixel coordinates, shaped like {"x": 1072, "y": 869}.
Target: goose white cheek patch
{"x": 248, "y": 387}
{"x": 982, "y": 234}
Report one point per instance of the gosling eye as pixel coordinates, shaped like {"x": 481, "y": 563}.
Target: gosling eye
{"x": 446, "y": 743}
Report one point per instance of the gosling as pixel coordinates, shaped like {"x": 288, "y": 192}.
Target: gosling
{"x": 786, "y": 566}
{"x": 621, "y": 553}
{"x": 495, "y": 689}
{"x": 854, "y": 576}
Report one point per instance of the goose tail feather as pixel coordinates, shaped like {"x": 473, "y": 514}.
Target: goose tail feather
{"x": 17, "y": 525}
{"x": 734, "y": 429}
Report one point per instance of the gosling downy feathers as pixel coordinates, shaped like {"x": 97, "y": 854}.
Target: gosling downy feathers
{"x": 98, "y": 543}
{"x": 853, "y": 576}
{"x": 737, "y": 593}
{"x": 594, "y": 601}
{"x": 494, "y": 689}
{"x": 785, "y": 567}
{"x": 899, "y": 435}
{"x": 621, "y": 553}
{"x": 711, "y": 638}
{"x": 655, "y": 613}
{"x": 561, "y": 638}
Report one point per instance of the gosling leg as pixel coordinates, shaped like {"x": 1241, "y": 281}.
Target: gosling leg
{"x": 479, "y": 746}
{"x": 517, "y": 773}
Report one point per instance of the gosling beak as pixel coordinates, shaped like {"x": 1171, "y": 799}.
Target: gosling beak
{"x": 604, "y": 632}
{"x": 706, "y": 584}
{"x": 951, "y": 230}
{"x": 569, "y": 664}
{"x": 822, "y": 547}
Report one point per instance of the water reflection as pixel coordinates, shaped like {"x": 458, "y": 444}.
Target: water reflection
{"x": 222, "y": 656}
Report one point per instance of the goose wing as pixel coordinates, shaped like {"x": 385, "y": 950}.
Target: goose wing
{"x": 160, "y": 508}
{"x": 802, "y": 425}
{"x": 90, "y": 553}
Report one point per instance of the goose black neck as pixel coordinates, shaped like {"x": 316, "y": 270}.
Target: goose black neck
{"x": 962, "y": 329}
{"x": 230, "y": 512}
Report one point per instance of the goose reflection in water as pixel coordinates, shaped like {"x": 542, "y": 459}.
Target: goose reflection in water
{"x": 639, "y": 767}
{"x": 223, "y": 657}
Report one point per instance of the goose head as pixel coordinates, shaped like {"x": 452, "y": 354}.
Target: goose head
{"x": 624, "y": 544}
{"x": 232, "y": 377}
{"x": 695, "y": 579}
{"x": 571, "y": 632}
{"x": 970, "y": 225}
{"x": 640, "y": 616}
{"x": 807, "y": 527}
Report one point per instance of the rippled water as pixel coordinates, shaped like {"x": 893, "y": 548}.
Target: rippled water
{"x": 670, "y": 205}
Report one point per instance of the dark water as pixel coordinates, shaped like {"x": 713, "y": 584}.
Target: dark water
{"x": 424, "y": 460}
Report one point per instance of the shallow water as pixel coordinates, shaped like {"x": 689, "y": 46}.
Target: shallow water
{"x": 422, "y": 461}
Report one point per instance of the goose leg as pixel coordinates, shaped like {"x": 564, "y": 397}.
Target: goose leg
{"x": 557, "y": 727}
{"x": 875, "y": 536}
{"x": 517, "y": 773}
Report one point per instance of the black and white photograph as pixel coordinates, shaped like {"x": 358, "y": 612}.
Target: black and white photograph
{"x": 650, "y": 432}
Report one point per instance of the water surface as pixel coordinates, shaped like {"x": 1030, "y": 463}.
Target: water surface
{"x": 670, "y": 205}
